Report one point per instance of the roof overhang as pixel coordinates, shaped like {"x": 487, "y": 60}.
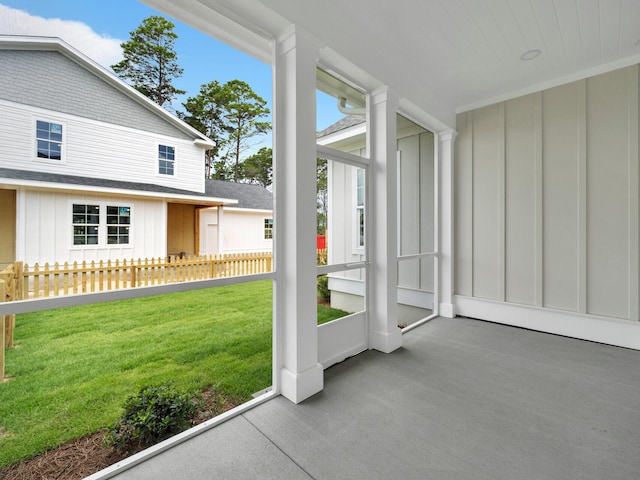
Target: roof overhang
{"x": 20, "y": 184}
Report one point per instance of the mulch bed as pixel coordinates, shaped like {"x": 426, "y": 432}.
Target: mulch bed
{"x": 84, "y": 456}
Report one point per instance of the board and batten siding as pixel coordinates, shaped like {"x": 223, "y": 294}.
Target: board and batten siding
{"x": 45, "y": 231}
{"x": 97, "y": 149}
{"x": 546, "y": 199}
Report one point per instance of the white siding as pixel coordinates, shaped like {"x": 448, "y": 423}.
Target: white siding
{"x": 242, "y": 231}
{"x": 416, "y": 214}
{"x": 546, "y": 200}
{"x": 96, "y": 149}
{"x": 45, "y": 231}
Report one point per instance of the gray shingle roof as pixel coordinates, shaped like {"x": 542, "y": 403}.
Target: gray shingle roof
{"x": 250, "y": 196}
{"x": 92, "y": 182}
{"x": 346, "y": 122}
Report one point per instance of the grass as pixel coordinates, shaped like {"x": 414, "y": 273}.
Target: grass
{"x": 74, "y": 367}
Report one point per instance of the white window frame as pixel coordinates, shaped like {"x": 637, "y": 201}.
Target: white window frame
{"x": 119, "y": 226}
{"x": 172, "y": 162}
{"x": 85, "y": 224}
{"x": 103, "y": 230}
{"x": 34, "y": 130}
{"x": 268, "y": 227}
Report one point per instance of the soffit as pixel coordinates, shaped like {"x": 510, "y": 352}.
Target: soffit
{"x": 448, "y": 55}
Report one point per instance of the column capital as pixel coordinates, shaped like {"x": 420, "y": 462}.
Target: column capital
{"x": 384, "y": 94}
{"x": 293, "y": 36}
{"x": 448, "y": 135}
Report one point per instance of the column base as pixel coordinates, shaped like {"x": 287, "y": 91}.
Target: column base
{"x": 300, "y": 386}
{"x": 386, "y": 342}
{"x": 447, "y": 310}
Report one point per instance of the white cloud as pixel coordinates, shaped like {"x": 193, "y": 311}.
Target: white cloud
{"x": 103, "y": 50}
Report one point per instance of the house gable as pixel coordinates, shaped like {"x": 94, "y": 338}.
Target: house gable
{"x": 50, "y": 80}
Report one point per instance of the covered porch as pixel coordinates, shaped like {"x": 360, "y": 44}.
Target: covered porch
{"x": 463, "y": 399}
{"x": 535, "y": 215}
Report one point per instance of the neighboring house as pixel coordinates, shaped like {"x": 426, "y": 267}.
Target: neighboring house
{"x": 246, "y": 226}
{"x": 346, "y": 186}
{"x": 89, "y": 168}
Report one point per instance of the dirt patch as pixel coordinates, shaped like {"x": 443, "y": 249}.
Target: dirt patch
{"x": 84, "y": 456}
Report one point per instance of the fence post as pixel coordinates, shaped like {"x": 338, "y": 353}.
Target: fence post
{"x": 3, "y": 295}
{"x": 8, "y": 294}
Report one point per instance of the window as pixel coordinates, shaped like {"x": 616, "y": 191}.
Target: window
{"x": 118, "y": 220}
{"x": 86, "y": 219}
{"x": 360, "y": 193}
{"x": 49, "y": 140}
{"x": 89, "y": 224}
{"x": 268, "y": 228}
{"x": 166, "y": 159}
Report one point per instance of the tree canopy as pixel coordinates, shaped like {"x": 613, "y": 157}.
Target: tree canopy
{"x": 150, "y": 62}
{"x": 258, "y": 168}
{"x": 205, "y": 113}
{"x": 230, "y": 114}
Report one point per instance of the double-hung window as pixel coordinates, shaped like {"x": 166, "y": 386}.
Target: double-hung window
{"x": 86, "y": 223}
{"x": 166, "y": 160}
{"x": 268, "y": 228}
{"x": 49, "y": 140}
{"x": 101, "y": 224}
{"x": 118, "y": 221}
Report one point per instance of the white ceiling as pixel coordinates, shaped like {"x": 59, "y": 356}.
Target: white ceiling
{"x": 447, "y": 55}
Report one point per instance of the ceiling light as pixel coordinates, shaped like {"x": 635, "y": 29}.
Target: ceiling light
{"x": 530, "y": 55}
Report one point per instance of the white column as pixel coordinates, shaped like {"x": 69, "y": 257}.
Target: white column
{"x": 384, "y": 334}
{"x": 297, "y": 373}
{"x": 445, "y": 240}
{"x": 220, "y": 221}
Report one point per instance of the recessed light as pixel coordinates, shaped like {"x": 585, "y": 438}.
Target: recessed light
{"x": 530, "y": 55}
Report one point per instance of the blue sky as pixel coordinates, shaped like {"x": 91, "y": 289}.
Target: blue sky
{"x": 97, "y": 29}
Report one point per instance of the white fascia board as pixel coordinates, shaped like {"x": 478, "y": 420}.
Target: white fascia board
{"x": 67, "y": 187}
{"x": 344, "y": 134}
{"x": 60, "y": 46}
{"x": 248, "y": 210}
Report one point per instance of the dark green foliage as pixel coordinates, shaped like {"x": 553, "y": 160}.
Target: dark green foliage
{"x": 150, "y": 62}
{"x": 258, "y": 168}
{"x": 323, "y": 288}
{"x": 155, "y": 414}
{"x": 230, "y": 114}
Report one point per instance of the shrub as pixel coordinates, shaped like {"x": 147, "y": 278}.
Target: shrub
{"x": 323, "y": 288}
{"x": 324, "y": 293}
{"x": 153, "y": 415}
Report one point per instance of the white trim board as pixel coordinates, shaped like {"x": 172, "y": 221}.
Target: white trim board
{"x": 611, "y": 331}
{"x": 342, "y": 338}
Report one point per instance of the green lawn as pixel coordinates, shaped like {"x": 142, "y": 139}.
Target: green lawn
{"x": 74, "y": 367}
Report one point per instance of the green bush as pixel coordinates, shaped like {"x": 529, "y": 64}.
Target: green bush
{"x": 155, "y": 414}
{"x": 323, "y": 288}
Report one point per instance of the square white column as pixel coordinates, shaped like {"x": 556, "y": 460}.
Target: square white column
{"x": 382, "y": 196}
{"x": 445, "y": 215}
{"x": 297, "y": 373}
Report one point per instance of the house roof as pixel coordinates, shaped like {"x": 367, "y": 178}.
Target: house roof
{"x": 249, "y": 196}
{"x": 217, "y": 192}
{"x": 55, "y": 181}
{"x": 21, "y": 42}
{"x": 342, "y": 124}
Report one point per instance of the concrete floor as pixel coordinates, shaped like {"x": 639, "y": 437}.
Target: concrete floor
{"x": 463, "y": 399}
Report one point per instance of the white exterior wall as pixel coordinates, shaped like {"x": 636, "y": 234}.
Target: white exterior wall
{"x": 97, "y": 149}
{"x": 546, "y": 210}
{"x": 415, "y": 224}
{"x": 45, "y": 232}
{"x": 242, "y": 231}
